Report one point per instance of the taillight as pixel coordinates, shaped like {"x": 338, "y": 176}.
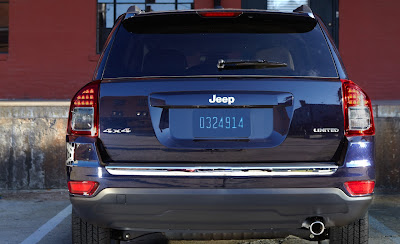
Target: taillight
{"x": 86, "y": 188}
{"x": 359, "y": 120}
{"x": 360, "y": 188}
{"x": 219, "y": 14}
{"x": 83, "y": 114}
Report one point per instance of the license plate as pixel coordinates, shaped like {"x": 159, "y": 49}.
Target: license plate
{"x": 221, "y": 123}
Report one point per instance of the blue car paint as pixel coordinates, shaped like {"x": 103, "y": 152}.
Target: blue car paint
{"x": 122, "y": 97}
{"x": 89, "y": 170}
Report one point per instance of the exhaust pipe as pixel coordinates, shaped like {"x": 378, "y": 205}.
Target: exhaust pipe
{"x": 315, "y": 226}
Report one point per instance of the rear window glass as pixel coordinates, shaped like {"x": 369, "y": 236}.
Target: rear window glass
{"x": 197, "y": 54}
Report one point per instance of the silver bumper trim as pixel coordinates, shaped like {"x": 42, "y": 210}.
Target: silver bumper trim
{"x": 223, "y": 171}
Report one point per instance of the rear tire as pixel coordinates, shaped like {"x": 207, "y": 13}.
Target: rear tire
{"x": 85, "y": 233}
{"x": 355, "y": 233}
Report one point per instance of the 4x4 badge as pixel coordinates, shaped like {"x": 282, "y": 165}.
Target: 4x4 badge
{"x": 117, "y": 131}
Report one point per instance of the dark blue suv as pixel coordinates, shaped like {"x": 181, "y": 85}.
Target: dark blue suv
{"x": 220, "y": 124}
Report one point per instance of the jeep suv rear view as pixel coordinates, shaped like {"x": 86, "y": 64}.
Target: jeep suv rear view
{"x": 220, "y": 124}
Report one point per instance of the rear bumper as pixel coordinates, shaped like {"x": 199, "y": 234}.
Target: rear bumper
{"x": 213, "y": 210}
{"x": 228, "y": 198}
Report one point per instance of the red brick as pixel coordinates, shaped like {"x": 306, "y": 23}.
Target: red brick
{"x": 369, "y": 39}
{"x": 50, "y": 46}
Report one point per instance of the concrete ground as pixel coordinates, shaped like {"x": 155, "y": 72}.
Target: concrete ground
{"x": 44, "y": 217}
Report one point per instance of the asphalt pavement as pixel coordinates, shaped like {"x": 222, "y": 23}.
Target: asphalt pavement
{"x": 43, "y": 216}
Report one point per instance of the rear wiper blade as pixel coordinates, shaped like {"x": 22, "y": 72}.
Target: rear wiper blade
{"x": 249, "y": 64}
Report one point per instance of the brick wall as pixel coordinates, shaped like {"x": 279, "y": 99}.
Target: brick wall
{"x": 368, "y": 42}
{"x": 52, "y": 49}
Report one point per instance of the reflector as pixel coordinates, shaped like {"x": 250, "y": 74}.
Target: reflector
{"x": 86, "y": 188}
{"x": 360, "y": 188}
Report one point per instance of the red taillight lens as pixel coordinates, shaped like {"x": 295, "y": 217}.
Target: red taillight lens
{"x": 360, "y": 188}
{"x": 83, "y": 116}
{"x": 86, "y": 188}
{"x": 86, "y": 97}
{"x": 358, "y": 114}
{"x": 220, "y": 14}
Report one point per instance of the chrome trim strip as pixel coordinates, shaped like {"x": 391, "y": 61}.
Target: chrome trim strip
{"x": 222, "y": 171}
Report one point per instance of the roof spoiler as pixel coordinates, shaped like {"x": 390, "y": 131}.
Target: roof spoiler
{"x": 132, "y": 11}
{"x": 250, "y": 21}
{"x": 303, "y": 9}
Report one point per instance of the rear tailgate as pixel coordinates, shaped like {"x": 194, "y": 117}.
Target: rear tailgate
{"x": 221, "y": 120}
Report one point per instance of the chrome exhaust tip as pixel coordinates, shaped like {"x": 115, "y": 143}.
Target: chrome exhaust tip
{"x": 316, "y": 227}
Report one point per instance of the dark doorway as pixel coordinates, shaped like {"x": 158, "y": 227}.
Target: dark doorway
{"x": 328, "y": 10}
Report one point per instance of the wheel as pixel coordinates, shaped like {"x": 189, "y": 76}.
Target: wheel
{"x": 85, "y": 233}
{"x": 355, "y": 233}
